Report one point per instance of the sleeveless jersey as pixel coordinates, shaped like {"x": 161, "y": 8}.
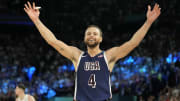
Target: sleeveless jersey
{"x": 25, "y": 98}
{"x": 92, "y": 81}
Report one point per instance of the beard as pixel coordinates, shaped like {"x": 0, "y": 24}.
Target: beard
{"x": 91, "y": 45}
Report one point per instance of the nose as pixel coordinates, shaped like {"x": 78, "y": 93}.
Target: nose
{"x": 91, "y": 37}
{"x": 91, "y": 34}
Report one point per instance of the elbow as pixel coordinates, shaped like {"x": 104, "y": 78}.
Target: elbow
{"x": 134, "y": 44}
{"x": 51, "y": 42}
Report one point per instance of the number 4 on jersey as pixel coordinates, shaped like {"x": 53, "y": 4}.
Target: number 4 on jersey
{"x": 92, "y": 81}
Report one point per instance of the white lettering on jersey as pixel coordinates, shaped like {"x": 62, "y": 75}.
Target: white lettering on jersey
{"x": 91, "y": 66}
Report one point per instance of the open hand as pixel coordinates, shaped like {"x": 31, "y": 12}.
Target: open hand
{"x": 31, "y": 10}
{"x": 152, "y": 15}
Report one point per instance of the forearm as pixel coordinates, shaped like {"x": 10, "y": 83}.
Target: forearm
{"x": 44, "y": 31}
{"x": 140, "y": 34}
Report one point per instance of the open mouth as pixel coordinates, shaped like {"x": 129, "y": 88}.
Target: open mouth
{"x": 91, "y": 40}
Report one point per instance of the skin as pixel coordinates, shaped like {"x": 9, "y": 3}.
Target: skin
{"x": 20, "y": 93}
{"x": 93, "y": 38}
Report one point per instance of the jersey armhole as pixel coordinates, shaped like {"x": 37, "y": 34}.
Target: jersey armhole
{"x": 106, "y": 61}
{"x": 109, "y": 76}
{"x": 79, "y": 60}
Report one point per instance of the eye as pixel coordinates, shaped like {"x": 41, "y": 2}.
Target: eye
{"x": 88, "y": 33}
{"x": 95, "y": 33}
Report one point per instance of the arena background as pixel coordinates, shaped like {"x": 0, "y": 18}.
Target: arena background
{"x": 150, "y": 72}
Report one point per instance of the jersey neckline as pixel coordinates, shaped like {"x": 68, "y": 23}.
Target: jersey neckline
{"x": 95, "y": 55}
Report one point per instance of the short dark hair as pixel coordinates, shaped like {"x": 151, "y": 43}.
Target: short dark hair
{"x": 97, "y": 28}
{"x": 20, "y": 85}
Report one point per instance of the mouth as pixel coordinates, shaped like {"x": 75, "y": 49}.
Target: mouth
{"x": 91, "y": 40}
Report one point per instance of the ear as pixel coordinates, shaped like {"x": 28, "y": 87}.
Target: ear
{"x": 84, "y": 36}
{"x": 84, "y": 39}
{"x": 101, "y": 39}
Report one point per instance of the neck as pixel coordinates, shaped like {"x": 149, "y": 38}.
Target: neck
{"x": 21, "y": 96}
{"x": 93, "y": 51}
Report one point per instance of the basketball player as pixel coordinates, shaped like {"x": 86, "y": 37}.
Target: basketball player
{"x": 92, "y": 67}
{"x": 21, "y": 96}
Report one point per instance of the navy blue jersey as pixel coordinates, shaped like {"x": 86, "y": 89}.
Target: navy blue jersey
{"x": 92, "y": 78}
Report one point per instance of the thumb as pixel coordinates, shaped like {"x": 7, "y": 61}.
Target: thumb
{"x": 149, "y": 8}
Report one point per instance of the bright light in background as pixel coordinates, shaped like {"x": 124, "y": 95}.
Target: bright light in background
{"x": 171, "y": 59}
{"x": 129, "y": 60}
{"x": 62, "y": 68}
{"x": 5, "y": 87}
{"x": 72, "y": 68}
{"x": 143, "y": 69}
{"x": 51, "y": 93}
{"x": 42, "y": 89}
{"x": 30, "y": 72}
{"x": 61, "y": 86}
{"x": 26, "y": 90}
{"x": 69, "y": 67}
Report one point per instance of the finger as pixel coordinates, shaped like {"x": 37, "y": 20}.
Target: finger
{"x": 26, "y": 6}
{"x": 149, "y": 8}
{"x": 159, "y": 11}
{"x": 155, "y": 6}
{"x": 25, "y": 10}
{"x": 29, "y": 4}
{"x": 158, "y": 5}
{"x": 34, "y": 5}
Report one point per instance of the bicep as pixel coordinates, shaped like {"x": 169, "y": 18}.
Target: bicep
{"x": 117, "y": 53}
{"x": 66, "y": 50}
{"x": 125, "y": 49}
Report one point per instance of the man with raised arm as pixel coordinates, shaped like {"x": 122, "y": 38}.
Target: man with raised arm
{"x": 92, "y": 67}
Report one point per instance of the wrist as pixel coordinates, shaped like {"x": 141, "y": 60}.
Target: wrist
{"x": 148, "y": 22}
{"x": 35, "y": 21}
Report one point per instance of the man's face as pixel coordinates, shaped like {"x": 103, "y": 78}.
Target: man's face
{"x": 92, "y": 37}
{"x": 18, "y": 90}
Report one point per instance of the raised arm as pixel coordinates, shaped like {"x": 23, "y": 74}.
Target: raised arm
{"x": 69, "y": 52}
{"x": 116, "y": 53}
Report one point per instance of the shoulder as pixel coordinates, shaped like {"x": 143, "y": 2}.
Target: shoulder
{"x": 30, "y": 98}
{"x": 77, "y": 52}
{"x": 110, "y": 54}
{"x": 17, "y": 99}
{"x": 110, "y": 58}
